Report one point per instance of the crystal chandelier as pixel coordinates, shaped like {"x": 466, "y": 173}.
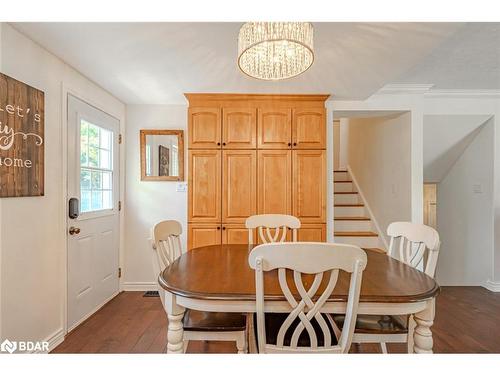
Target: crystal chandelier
{"x": 275, "y": 50}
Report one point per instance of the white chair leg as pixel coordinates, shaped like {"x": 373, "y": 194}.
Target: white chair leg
{"x": 185, "y": 346}
{"x": 411, "y": 328}
{"x": 241, "y": 343}
{"x": 251, "y": 341}
{"x": 383, "y": 347}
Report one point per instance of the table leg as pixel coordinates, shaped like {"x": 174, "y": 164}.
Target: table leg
{"x": 422, "y": 337}
{"x": 175, "y": 330}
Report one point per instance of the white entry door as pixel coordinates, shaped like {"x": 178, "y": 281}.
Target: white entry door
{"x": 93, "y": 236}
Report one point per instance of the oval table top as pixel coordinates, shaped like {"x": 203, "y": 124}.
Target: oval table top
{"x": 222, "y": 272}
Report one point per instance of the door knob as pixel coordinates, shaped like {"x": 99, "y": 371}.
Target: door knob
{"x": 74, "y": 230}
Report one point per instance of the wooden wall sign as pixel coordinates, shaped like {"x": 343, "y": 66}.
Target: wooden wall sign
{"x": 21, "y": 139}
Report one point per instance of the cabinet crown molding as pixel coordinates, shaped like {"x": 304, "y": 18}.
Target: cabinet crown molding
{"x": 196, "y": 98}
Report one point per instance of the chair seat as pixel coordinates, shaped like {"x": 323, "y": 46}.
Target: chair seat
{"x": 214, "y": 321}
{"x": 377, "y": 324}
{"x": 273, "y": 324}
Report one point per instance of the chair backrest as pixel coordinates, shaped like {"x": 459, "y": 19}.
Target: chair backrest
{"x": 276, "y": 222}
{"x": 414, "y": 240}
{"x": 167, "y": 242}
{"x": 166, "y": 247}
{"x": 321, "y": 260}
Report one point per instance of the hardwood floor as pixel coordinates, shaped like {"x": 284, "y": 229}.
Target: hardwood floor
{"x": 467, "y": 321}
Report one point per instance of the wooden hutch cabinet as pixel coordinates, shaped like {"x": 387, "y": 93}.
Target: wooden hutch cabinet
{"x": 255, "y": 154}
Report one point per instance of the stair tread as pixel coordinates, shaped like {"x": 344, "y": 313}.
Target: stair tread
{"x": 356, "y": 234}
{"x": 349, "y": 205}
{"x": 376, "y": 249}
{"x": 352, "y": 218}
{"x": 346, "y": 192}
{"x": 340, "y": 171}
{"x": 343, "y": 181}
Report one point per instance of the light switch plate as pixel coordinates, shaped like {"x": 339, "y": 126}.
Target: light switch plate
{"x": 181, "y": 187}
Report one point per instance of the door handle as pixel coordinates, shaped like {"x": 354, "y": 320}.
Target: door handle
{"x": 74, "y": 230}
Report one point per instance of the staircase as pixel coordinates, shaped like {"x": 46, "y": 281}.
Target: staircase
{"x": 353, "y": 225}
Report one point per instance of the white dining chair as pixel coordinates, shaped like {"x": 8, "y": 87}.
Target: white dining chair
{"x": 198, "y": 325}
{"x": 305, "y": 328}
{"x": 268, "y": 223}
{"x": 419, "y": 248}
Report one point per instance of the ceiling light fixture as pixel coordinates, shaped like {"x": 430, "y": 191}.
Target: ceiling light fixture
{"x": 275, "y": 50}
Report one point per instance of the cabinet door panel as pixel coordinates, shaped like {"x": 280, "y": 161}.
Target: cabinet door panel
{"x": 274, "y": 182}
{"x": 204, "y": 235}
{"x": 204, "y": 186}
{"x": 274, "y": 128}
{"x": 312, "y": 233}
{"x": 309, "y": 185}
{"x": 309, "y": 128}
{"x": 239, "y": 181}
{"x": 239, "y": 128}
{"x": 235, "y": 234}
{"x": 204, "y": 127}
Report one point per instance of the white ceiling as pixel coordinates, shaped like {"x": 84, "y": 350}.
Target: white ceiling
{"x": 469, "y": 59}
{"x": 155, "y": 63}
{"x": 445, "y": 138}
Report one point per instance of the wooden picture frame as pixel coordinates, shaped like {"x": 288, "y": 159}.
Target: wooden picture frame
{"x": 180, "y": 147}
{"x": 22, "y": 139}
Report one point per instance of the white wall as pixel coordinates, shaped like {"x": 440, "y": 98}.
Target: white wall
{"x": 445, "y": 138}
{"x": 465, "y": 218}
{"x": 336, "y": 145}
{"x": 380, "y": 158}
{"x": 476, "y": 103}
{"x": 396, "y": 99}
{"x": 148, "y": 202}
{"x": 33, "y": 240}
{"x": 420, "y": 101}
{"x": 344, "y": 140}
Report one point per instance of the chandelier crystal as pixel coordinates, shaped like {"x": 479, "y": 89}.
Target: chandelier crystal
{"x": 275, "y": 50}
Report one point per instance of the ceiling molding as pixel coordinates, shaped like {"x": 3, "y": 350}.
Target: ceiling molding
{"x": 465, "y": 94}
{"x": 398, "y": 89}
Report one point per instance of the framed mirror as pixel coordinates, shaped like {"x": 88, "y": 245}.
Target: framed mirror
{"x": 162, "y": 155}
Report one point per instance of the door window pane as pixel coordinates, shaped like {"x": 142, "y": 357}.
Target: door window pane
{"x": 85, "y": 179}
{"x": 93, "y": 157}
{"x": 96, "y": 168}
{"x": 85, "y": 201}
{"x": 97, "y": 200}
{"x": 106, "y": 180}
{"x": 104, "y": 159}
{"x": 96, "y": 181}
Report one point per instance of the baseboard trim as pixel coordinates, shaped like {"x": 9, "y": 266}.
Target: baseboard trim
{"x": 139, "y": 286}
{"x": 493, "y": 286}
{"x": 54, "y": 340}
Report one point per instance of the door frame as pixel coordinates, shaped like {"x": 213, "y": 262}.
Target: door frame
{"x": 65, "y": 91}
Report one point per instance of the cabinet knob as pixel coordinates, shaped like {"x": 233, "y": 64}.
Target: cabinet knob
{"x": 223, "y": 228}
{"x": 218, "y": 143}
{"x": 289, "y": 144}
{"x": 223, "y": 143}
{"x": 218, "y": 228}
{"x": 295, "y": 143}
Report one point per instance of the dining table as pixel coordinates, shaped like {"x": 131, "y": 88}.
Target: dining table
{"x": 218, "y": 278}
